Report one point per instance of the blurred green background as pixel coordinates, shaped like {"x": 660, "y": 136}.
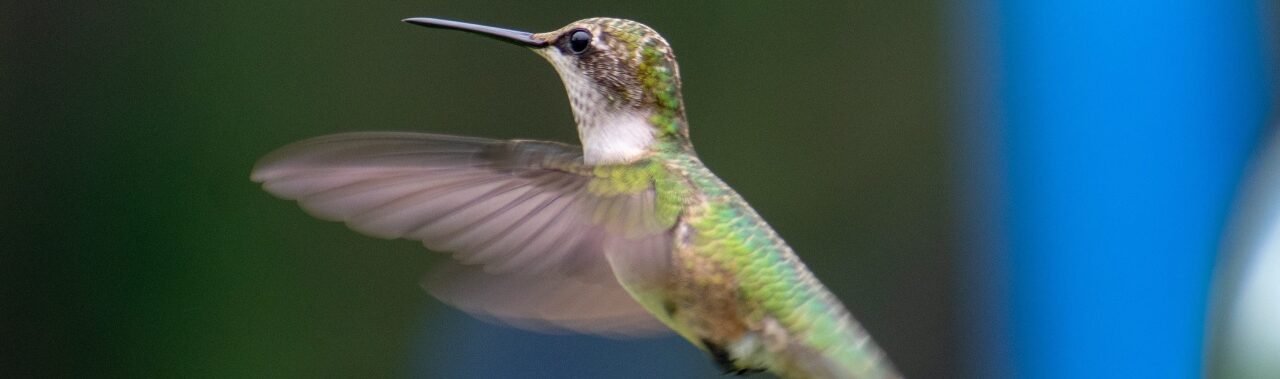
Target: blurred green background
{"x": 137, "y": 246}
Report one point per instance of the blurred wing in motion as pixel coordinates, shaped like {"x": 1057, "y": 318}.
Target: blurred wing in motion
{"x": 528, "y": 222}
{"x": 542, "y": 302}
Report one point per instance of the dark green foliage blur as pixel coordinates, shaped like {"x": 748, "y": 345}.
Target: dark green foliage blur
{"x": 135, "y": 245}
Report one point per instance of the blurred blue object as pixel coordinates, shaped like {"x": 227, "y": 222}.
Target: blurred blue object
{"x": 1245, "y": 333}
{"x": 1123, "y": 129}
{"x": 476, "y": 349}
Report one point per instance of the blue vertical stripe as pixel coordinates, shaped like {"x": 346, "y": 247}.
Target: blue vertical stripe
{"x": 1126, "y": 127}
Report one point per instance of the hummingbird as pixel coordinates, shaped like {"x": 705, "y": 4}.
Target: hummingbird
{"x": 629, "y": 234}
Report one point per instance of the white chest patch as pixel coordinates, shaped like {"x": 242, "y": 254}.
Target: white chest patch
{"x": 615, "y": 139}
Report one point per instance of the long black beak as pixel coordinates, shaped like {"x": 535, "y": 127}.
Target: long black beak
{"x": 505, "y": 35}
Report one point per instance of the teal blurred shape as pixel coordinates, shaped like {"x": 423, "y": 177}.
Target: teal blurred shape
{"x": 1244, "y": 333}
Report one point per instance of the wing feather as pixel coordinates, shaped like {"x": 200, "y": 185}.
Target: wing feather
{"x": 531, "y": 240}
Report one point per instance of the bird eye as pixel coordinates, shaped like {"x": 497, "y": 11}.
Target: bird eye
{"x": 579, "y": 40}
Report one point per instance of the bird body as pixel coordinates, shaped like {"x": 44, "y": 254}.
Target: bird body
{"x": 737, "y": 287}
{"x": 628, "y": 234}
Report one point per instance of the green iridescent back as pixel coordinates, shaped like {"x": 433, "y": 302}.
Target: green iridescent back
{"x": 771, "y": 280}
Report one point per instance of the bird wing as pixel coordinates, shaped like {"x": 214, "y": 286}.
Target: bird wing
{"x": 527, "y": 221}
{"x": 541, "y": 301}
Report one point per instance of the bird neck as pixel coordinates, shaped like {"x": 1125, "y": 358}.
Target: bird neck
{"x": 627, "y": 136}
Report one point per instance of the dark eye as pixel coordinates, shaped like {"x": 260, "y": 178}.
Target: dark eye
{"x": 579, "y": 40}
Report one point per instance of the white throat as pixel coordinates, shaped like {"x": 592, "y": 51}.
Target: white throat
{"x": 615, "y": 138}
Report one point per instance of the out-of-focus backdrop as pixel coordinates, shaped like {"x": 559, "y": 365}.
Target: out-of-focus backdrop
{"x": 995, "y": 188}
